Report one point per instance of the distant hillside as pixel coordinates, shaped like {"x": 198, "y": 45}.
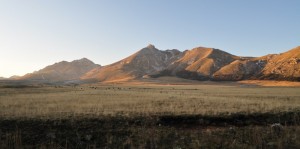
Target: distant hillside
{"x": 14, "y": 77}
{"x": 62, "y": 71}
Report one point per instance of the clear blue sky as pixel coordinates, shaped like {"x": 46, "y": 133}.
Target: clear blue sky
{"x": 36, "y": 33}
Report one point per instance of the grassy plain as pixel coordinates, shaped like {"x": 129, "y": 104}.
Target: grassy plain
{"x": 99, "y": 100}
{"x": 149, "y": 116}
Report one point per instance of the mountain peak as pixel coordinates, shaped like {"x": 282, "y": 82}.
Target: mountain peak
{"x": 151, "y": 46}
{"x": 83, "y": 60}
{"x": 150, "y": 49}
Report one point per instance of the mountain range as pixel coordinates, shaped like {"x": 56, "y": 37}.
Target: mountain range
{"x": 199, "y": 63}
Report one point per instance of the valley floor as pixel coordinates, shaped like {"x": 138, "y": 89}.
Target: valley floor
{"x": 150, "y": 115}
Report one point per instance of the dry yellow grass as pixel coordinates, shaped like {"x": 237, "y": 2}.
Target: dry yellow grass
{"x": 131, "y": 100}
{"x": 270, "y": 83}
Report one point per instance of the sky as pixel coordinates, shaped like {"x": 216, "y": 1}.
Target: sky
{"x": 37, "y": 33}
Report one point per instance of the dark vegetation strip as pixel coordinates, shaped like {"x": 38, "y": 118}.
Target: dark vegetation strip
{"x": 258, "y": 119}
{"x": 166, "y": 131}
{"x": 239, "y": 120}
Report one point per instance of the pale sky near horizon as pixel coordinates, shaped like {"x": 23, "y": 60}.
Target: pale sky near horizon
{"x": 37, "y": 33}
